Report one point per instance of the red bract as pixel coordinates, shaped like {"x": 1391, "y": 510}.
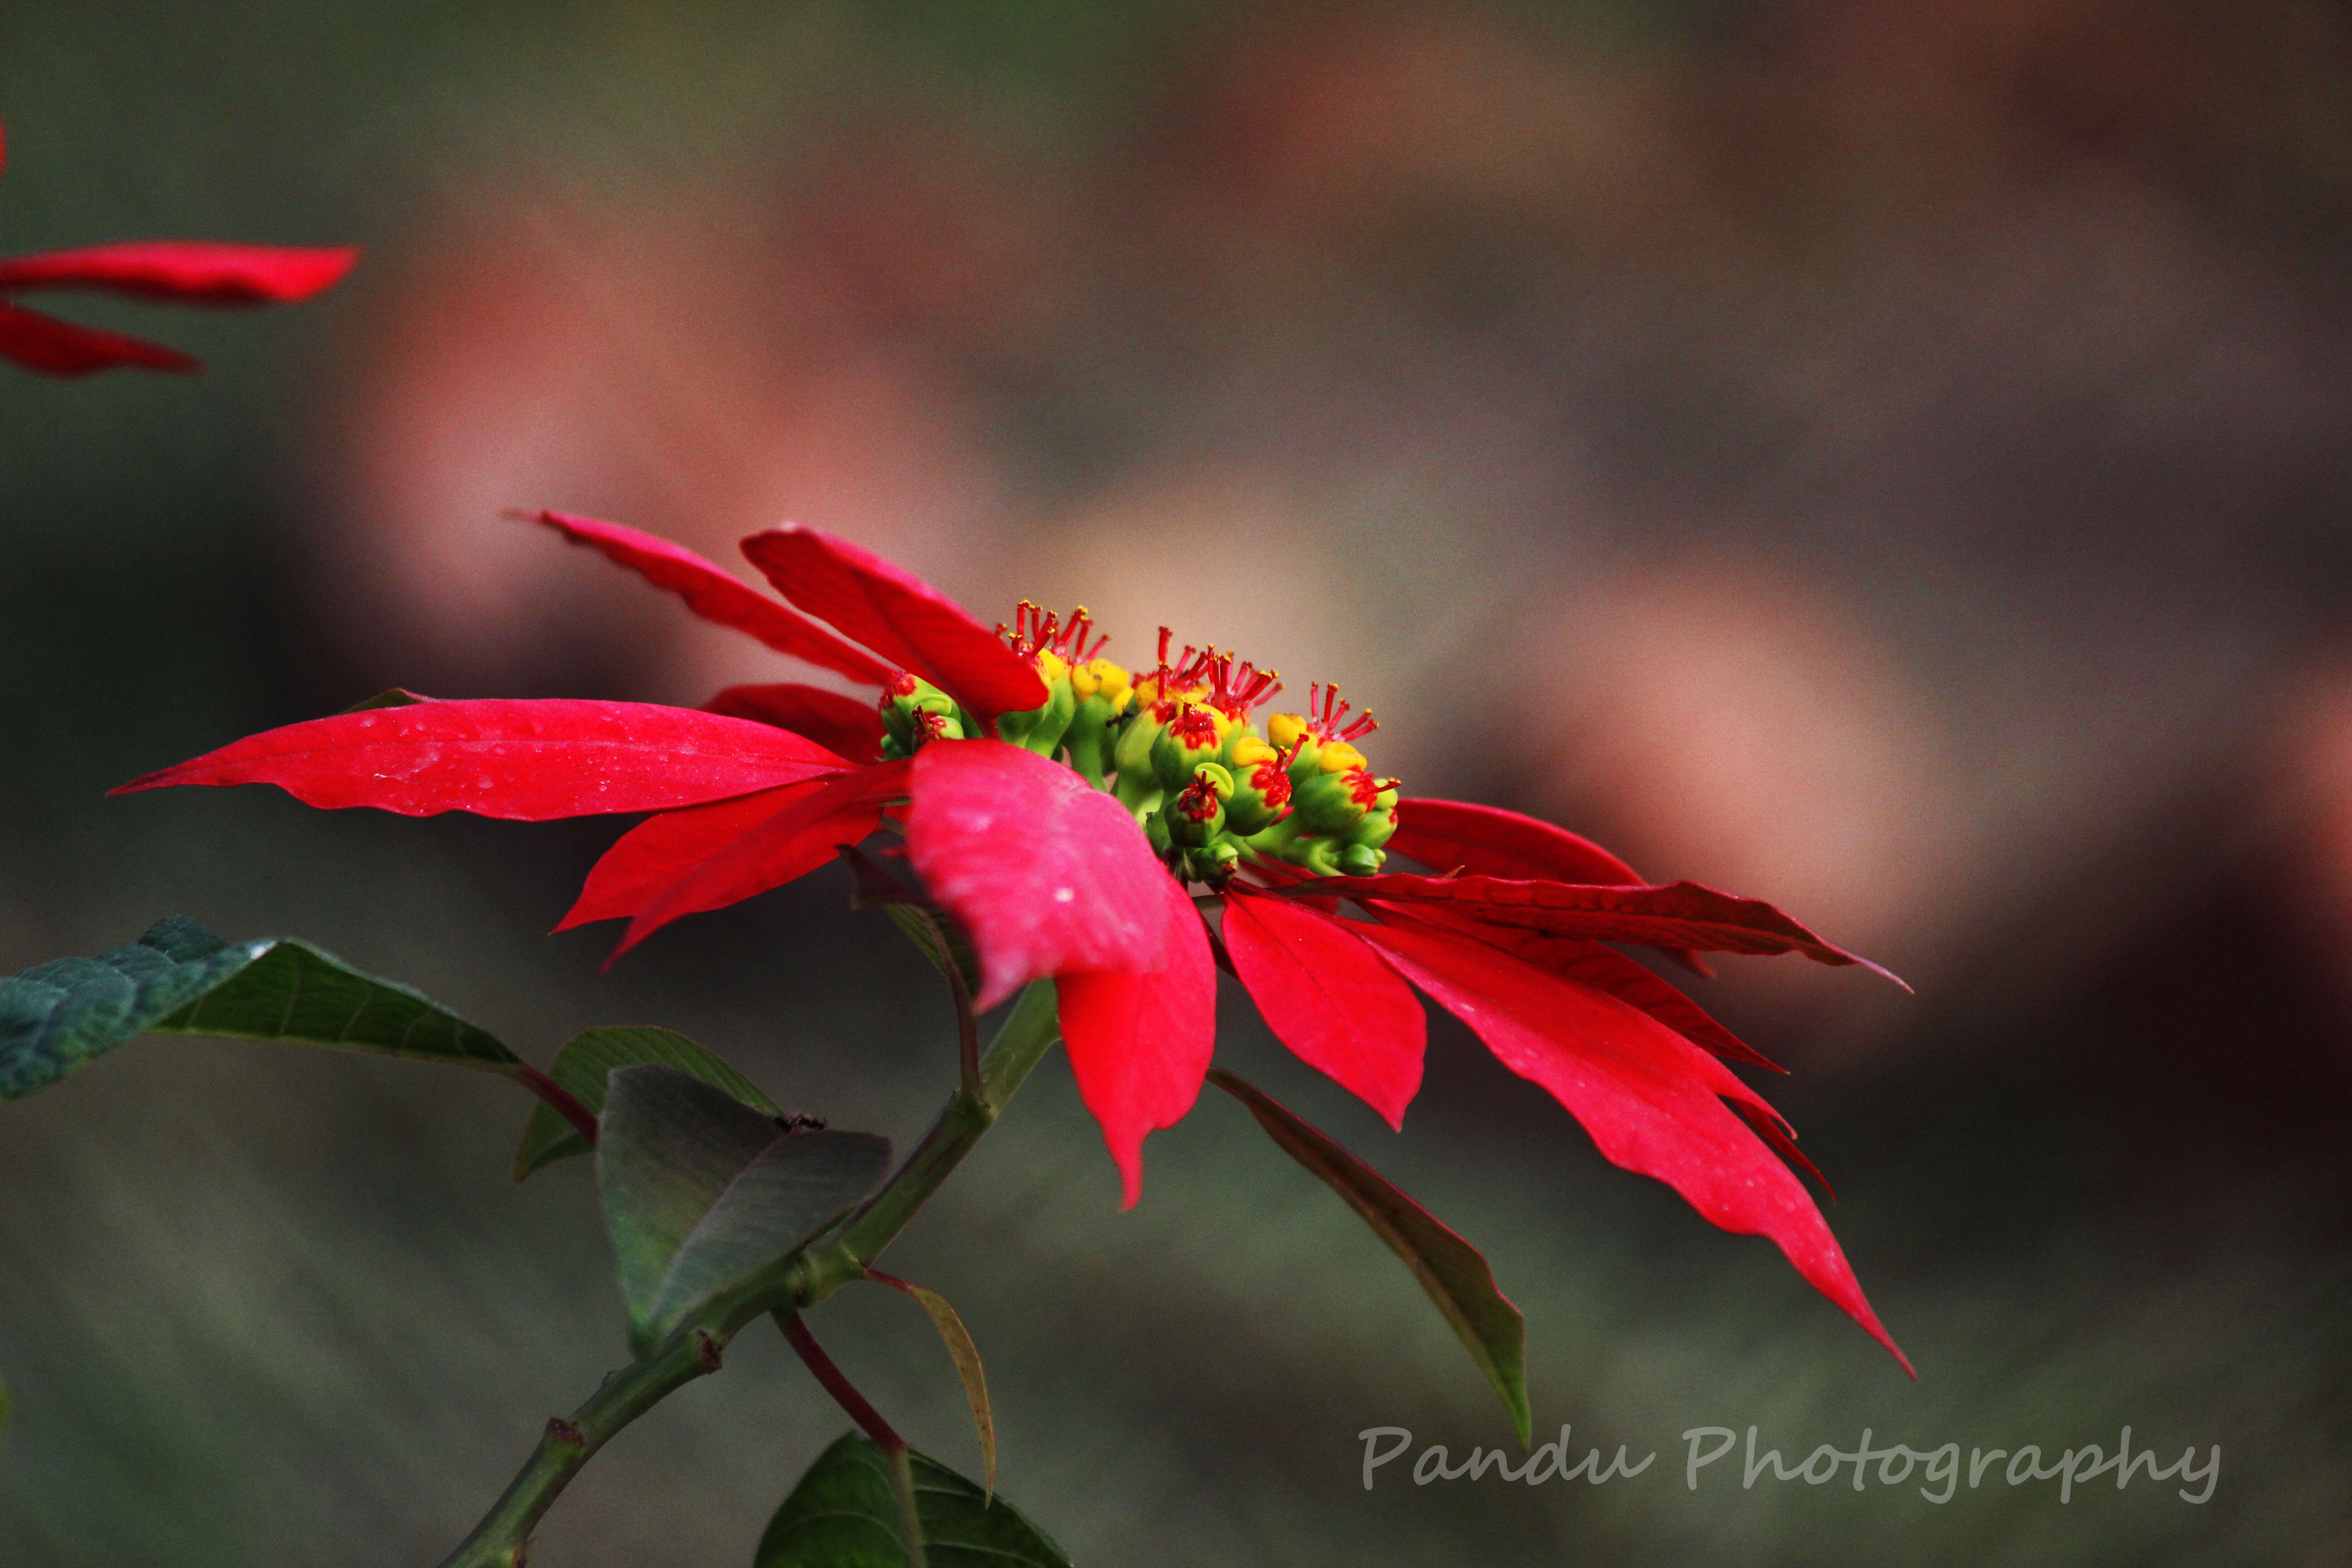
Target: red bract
{"x": 186, "y": 271}
{"x": 1048, "y": 876}
{"x": 1063, "y": 872}
{"x": 899, "y": 616}
{"x": 524, "y": 760}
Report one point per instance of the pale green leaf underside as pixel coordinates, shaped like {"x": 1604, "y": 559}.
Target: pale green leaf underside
{"x": 583, "y": 1066}
{"x": 844, "y": 1514}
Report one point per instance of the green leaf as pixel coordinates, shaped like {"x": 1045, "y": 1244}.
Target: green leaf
{"x": 966, "y": 1356}
{"x": 1454, "y": 1273}
{"x": 182, "y": 978}
{"x": 295, "y": 993}
{"x": 933, "y": 931}
{"x": 56, "y": 1016}
{"x": 398, "y": 697}
{"x": 583, "y": 1066}
{"x": 701, "y": 1191}
{"x": 844, "y": 1514}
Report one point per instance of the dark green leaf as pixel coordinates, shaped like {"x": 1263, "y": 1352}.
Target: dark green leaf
{"x": 583, "y": 1066}
{"x": 934, "y": 934}
{"x": 936, "y": 937}
{"x": 844, "y": 1514}
{"x": 398, "y": 697}
{"x": 181, "y": 979}
{"x": 701, "y": 1191}
{"x": 293, "y": 992}
{"x": 1453, "y": 1272}
{"x": 56, "y": 1016}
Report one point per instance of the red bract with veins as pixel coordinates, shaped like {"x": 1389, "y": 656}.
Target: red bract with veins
{"x": 1060, "y": 808}
{"x": 184, "y": 271}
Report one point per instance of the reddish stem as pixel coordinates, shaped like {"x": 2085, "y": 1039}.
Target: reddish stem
{"x": 557, "y": 1099}
{"x": 843, "y": 1392}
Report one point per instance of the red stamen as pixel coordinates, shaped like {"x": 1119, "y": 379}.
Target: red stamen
{"x": 1234, "y": 690}
{"x": 1037, "y": 631}
{"x": 1325, "y": 710}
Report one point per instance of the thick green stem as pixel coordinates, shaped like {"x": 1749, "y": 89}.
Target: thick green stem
{"x": 1027, "y": 1034}
{"x": 503, "y": 1537}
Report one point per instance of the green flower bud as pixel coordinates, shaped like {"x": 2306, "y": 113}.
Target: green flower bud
{"x": 1262, "y": 788}
{"x": 1213, "y": 865}
{"x": 1335, "y": 802}
{"x": 1194, "y": 736}
{"x": 1041, "y": 729}
{"x": 1102, "y": 689}
{"x": 915, "y": 712}
{"x": 1197, "y": 813}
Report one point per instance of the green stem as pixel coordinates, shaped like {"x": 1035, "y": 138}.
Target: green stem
{"x": 807, "y": 1277}
{"x": 910, "y": 1520}
{"x": 503, "y": 1537}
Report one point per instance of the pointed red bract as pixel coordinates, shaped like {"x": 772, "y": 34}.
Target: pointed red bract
{"x": 1047, "y": 875}
{"x": 1682, "y": 914}
{"x": 1653, "y": 1101}
{"x": 523, "y": 761}
{"x": 1589, "y": 963}
{"x": 1331, "y": 999}
{"x": 1139, "y": 1045}
{"x": 60, "y": 348}
{"x": 717, "y": 595}
{"x": 838, "y": 723}
{"x": 649, "y": 858}
{"x": 899, "y": 616}
{"x": 191, "y": 271}
{"x": 801, "y": 834}
{"x": 1454, "y": 835}
{"x": 1445, "y": 835}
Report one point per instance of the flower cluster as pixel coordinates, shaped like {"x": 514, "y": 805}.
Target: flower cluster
{"x": 1059, "y": 808}
{"x": 187, "y": 271}
{"x": 1180, "y": 751}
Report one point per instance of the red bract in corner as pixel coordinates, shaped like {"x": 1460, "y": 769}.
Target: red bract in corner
{"x": 181, "y": 271}
{"x": 1060, "y": 808}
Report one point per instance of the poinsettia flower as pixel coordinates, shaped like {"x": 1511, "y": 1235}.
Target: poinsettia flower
{"x": 1060, "y": 808}
{"x": 186, "y": 271}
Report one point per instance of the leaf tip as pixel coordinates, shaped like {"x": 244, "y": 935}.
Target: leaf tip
{"x": 156, "y": 780}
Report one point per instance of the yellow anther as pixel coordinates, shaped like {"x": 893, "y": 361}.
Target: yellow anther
{"x": 1284, "y": 729}
{"x": 1101, "y": 676}
{"x": 1339, "y": 757}
{"x": 1050, "y": 665}
{"x": 1249, "y": 752}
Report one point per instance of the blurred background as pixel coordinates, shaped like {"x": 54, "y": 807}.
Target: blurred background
{"x": 1893, "y": 460}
